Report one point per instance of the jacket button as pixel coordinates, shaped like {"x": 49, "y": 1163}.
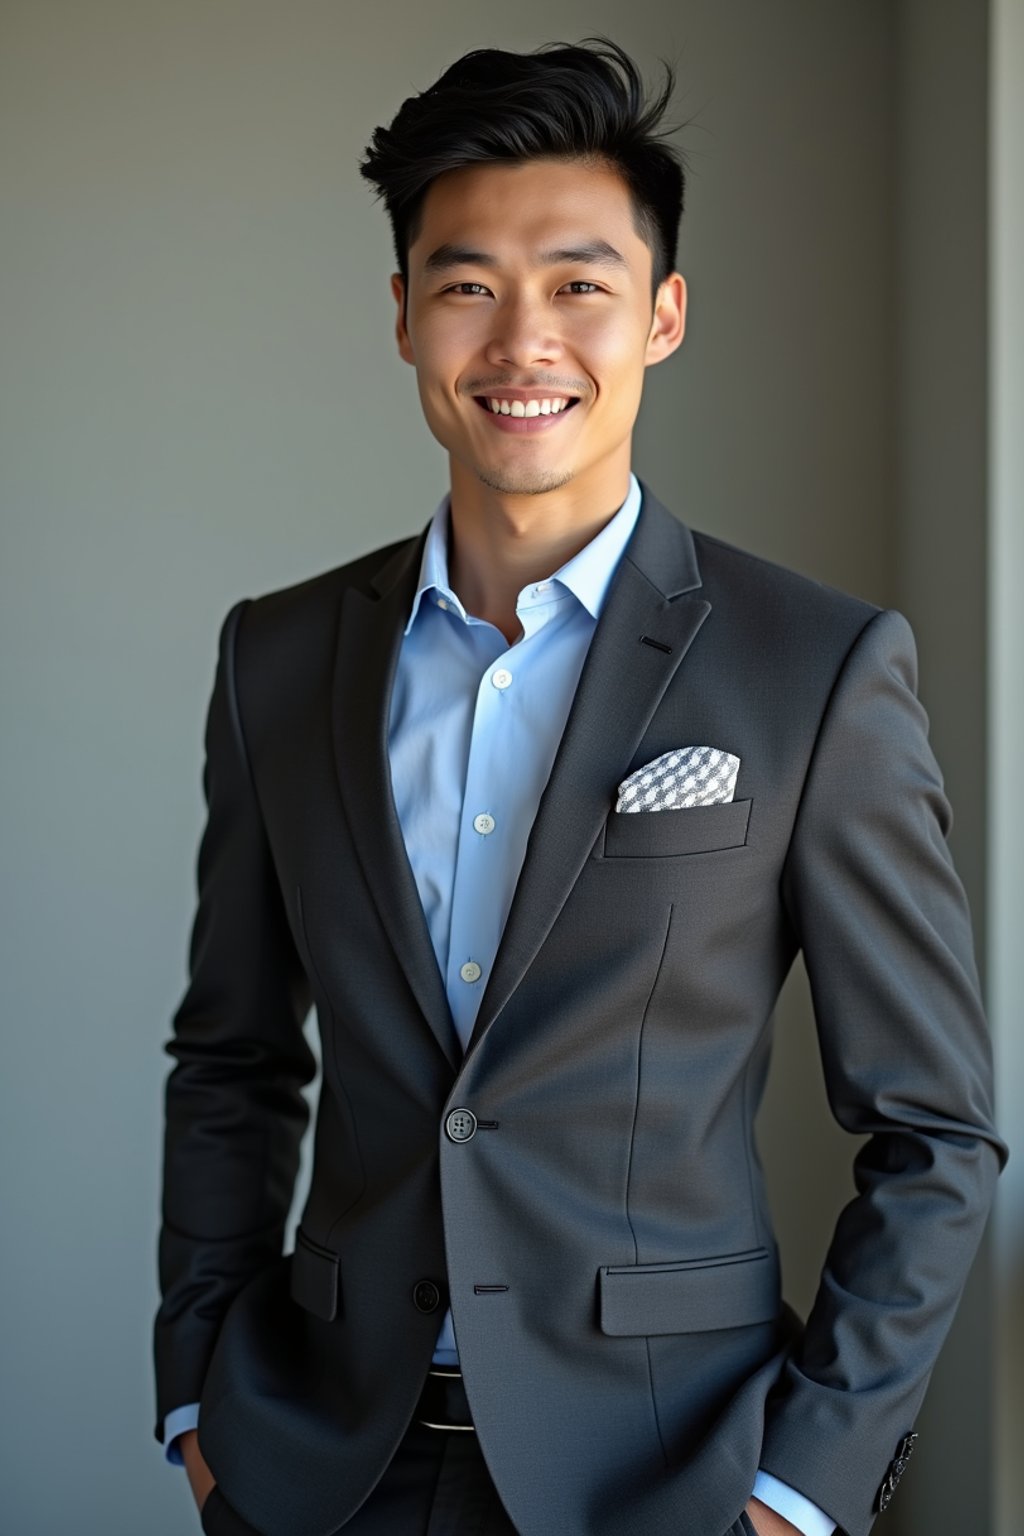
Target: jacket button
{"x": 426, "y": 1296}
{"x": 460, "y": 1125}
{"x": 904, "y": 1450}
{"x": 896, "y": 1469}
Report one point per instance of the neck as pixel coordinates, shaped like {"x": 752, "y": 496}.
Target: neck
{"x": 499, "y": 543}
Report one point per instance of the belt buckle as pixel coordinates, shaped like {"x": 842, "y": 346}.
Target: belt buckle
{"x": 452, "y": 1373}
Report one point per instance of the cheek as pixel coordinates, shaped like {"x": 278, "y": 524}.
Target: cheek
{"x": 453, "y": 329}
{"x": 437, "y": 374}
{"x": 442, "y": 350}
{"x": 611, "y": 353}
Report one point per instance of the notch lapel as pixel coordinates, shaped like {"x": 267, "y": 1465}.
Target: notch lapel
{"x": 653, "y": 595}
{"x": 369, "y": 640}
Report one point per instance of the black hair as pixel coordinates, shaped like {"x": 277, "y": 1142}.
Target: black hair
{"x": 563, "y": 100}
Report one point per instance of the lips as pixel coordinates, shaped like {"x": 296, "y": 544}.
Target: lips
{"x": 524, "y": 426}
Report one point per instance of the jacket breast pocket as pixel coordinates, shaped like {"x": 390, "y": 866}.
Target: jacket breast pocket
{"x": 662, "y": 834}
{"x": 691, "y": 1295}
{"x": 314, "y": 1281}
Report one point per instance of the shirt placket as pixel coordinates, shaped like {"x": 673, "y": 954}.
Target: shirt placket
{"x": 491, "y": 812}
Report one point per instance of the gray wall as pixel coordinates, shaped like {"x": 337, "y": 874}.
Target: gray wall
{"x": 1005, "y": 953}
{"x": 200, "y": 399}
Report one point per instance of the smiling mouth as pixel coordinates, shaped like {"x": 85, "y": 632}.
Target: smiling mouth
{"x": 537, "y": 424}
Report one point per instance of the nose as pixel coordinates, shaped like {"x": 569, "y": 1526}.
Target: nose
{"x": 524, "y": 336}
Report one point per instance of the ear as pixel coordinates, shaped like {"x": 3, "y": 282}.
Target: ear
{"x": 669, "y": 323}
{"x": 401, "y": 333}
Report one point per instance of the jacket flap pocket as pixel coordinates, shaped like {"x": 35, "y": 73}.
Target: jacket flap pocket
{"x": 693, "y": 1294}
{"x": 690, "y": 829}
{"x": 314, "y": 1277}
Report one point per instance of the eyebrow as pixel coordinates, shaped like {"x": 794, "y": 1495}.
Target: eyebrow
{"x": 597, "y": 253}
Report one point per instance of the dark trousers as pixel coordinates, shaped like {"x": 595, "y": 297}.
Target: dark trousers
{"x": 436, "y": 1484}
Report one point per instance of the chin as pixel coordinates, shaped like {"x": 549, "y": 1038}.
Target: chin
{"x": 523, "y": 482}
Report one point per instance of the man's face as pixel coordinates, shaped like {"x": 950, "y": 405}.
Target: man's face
{"x": 504, "y": 297}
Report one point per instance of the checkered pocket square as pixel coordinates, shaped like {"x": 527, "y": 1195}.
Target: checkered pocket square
{"x": 681, "y": 778}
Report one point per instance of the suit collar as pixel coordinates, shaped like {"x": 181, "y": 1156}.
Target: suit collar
{"x": 651, "y": 614}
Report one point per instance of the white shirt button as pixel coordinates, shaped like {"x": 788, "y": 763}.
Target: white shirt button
{"x": 501, "y": 678}
{"x": 442, "y": 602}
{"x": 470, "y": 971}
{"x": 542, "y": 586}
{"x": 483, "y": 822}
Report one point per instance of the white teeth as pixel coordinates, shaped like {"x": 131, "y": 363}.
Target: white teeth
{"x": 528, "y": 407}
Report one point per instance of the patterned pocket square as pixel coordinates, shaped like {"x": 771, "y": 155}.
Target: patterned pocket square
{"x": 681, "y": 778}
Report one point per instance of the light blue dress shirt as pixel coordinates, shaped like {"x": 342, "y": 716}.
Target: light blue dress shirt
{"x": 474, "y": 727}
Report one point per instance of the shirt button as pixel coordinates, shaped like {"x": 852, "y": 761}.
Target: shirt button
{"x": 442, "y": 602}
{"x": 501, "y": 678}
{"x": 542, "y": 586}
{"x": 483, "y": 822}
{"x": 470, "y": 971}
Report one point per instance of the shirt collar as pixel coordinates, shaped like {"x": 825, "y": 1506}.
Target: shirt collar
{"x": 587, "y": 575}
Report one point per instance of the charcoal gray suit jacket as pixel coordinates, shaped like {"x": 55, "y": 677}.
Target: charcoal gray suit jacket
{"x": 603, "y": 1237}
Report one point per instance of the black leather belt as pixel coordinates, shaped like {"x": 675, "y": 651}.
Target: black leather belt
{"x": 443, "y": 1403}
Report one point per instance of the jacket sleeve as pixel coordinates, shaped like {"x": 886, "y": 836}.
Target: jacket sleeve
{"x": 234, "y": 1110}
{"x": 883, "y": 921}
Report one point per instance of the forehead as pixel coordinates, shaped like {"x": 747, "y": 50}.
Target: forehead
{"x": 521, "y": 209}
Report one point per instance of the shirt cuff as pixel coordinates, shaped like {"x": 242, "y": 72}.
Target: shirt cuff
{"x": 792, "y": 1506}
{"x": 176, "y": 1424}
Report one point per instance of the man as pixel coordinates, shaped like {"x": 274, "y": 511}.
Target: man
{"x": 538, "y": 805}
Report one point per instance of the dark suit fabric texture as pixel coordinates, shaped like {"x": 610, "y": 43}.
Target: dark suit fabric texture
{"x": 604, "y": 1238}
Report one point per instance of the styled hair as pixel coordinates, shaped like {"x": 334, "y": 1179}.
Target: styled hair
{"x": 563, "y": 100}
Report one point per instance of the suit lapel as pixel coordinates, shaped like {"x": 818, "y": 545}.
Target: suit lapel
{"x": 652, "y": 598}
{"x": 369, "y": 640}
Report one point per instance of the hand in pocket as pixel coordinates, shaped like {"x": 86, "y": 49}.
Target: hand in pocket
{"x": 201, "y": 1479}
